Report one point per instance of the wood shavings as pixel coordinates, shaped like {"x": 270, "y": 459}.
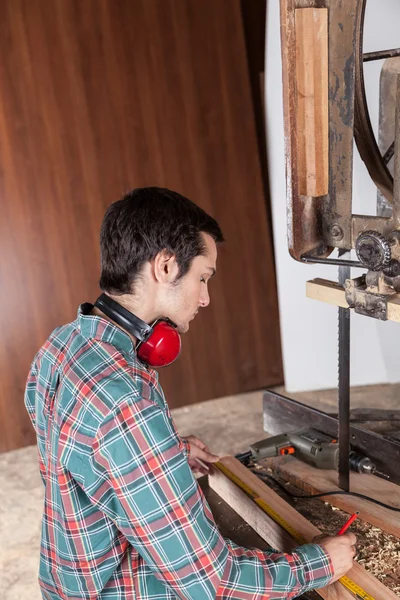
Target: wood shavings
{"x": 378, "y": 552}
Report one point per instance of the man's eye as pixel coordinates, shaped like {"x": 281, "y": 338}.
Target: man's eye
{"x": 202, "y": 280}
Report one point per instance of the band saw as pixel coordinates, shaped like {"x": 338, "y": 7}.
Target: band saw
{"x": 325, "y": 112}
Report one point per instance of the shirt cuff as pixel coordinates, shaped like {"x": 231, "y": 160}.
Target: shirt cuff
{"x": 185, "y": 447}
{"x": 317, "y": 564}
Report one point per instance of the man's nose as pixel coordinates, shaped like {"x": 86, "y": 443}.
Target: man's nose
{"x": 204, "y": 298}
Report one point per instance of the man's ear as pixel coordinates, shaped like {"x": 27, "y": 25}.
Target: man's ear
{"x": 166, "y": 268}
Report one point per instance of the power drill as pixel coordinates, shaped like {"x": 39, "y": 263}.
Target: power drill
{"x": 311, "y": 446}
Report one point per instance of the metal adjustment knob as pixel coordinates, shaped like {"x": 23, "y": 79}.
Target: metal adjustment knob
{"x": 373, "y": 250}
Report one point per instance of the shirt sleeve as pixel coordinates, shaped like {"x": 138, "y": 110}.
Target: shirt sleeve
{"x": 140, "y": 478}
{"x": 38, "y": 420}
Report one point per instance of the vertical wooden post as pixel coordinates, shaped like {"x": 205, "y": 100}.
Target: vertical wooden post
{"x": 311, "y": 25}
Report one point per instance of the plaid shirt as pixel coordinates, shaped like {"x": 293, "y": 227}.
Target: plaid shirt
{"x": 123, "y": 516}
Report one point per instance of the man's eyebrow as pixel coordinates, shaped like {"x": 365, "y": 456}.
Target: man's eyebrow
{"x": 213, "y": 271}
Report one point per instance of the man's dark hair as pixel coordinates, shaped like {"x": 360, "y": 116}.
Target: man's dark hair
{"x": 142, "y": 224}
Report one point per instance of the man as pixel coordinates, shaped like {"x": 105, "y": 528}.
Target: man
{"x": 124, "y": 517}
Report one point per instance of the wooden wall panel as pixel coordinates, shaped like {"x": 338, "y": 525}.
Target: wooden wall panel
{"x": 101, "y": 96}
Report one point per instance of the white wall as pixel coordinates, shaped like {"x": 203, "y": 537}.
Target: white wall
{"x": 308, "y": 327}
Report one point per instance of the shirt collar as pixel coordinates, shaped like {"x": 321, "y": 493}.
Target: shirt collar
{"x": 95, "y": 327}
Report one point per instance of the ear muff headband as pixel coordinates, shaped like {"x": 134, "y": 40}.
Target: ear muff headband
{"x": 159, "y": 344}
{"x": 124, "y": 317}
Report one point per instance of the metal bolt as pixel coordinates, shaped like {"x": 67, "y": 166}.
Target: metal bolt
{"x": 394, "y": 238}
{"x": 336, "y": 232}
{"x": 392, "y": 269}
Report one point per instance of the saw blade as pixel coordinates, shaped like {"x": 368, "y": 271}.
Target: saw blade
{"x": 344, "y": 382}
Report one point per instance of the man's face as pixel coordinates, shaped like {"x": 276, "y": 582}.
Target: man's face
{"x": 191, "y": 291}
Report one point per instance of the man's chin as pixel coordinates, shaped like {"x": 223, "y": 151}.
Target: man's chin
{"x": 183, "y": 328}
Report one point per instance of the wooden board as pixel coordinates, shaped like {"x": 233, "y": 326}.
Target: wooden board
{"x": 315, "y": 481}
{"x": 311, "y": 26}
{"x": 306, "y": 214}
{"x": 332, "y": 293}
{"x": 229, "y": 523}
{"x": 326, "y": 291}
{"x": 336, "y": 591}
{"x": 265, "y": 527}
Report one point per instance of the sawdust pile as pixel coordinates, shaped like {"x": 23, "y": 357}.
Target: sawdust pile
{"x": 378, "y": 552}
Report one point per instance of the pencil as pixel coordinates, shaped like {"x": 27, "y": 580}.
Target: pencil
{"x": 348, "y": 523}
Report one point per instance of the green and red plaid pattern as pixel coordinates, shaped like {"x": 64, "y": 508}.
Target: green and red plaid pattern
{"x": 123, "y": 516}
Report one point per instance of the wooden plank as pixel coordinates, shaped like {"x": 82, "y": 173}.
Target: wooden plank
{"x": 311, "y": 27}
{"x": 309, "y": 217}
{"x": 229, "y": 523}
{"x": 315, "y": 481}
{"x": 301, "y": 209}
{"x": 332, "y": 293}
{"x": 326, "y": 291}
{"x": 394, "y": 308}
{"x": 335, "y": 591}
{"x": 265, "y": 527}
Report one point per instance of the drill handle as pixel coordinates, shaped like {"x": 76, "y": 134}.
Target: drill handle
{"x": 279, "y": 445}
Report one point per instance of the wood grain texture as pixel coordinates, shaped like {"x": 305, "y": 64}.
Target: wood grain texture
{"x": 311, "y": 25}
{"x": 335, "y": 591}
{"x": 326, "y": 291}
{"x": 266, "y": 527}
{"x": 304, "y": 212}
{"x": 315, "y": 481}
{"x": 310, "y": 219}
{"x": 101, "y": 96}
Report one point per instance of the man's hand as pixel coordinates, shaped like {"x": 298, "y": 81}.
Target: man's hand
{"x": 341, "y": 549}
{"x": 199, "y": 451}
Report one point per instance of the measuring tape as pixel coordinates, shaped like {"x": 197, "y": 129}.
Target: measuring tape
{"x": 359, "y": 593}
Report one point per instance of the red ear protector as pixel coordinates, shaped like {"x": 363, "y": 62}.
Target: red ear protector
{"x": 159, "y": 344}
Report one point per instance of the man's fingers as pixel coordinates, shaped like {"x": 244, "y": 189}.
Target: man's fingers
{"x": 196, "y": 452}
{"x": 199, "y": 467}
{"x": 198, "y": 464}
{"x": 350, "y": 537}
{"x": 199, "y": 450}
{"x": 204, "y": 456}
{"x": 194, "y": 441}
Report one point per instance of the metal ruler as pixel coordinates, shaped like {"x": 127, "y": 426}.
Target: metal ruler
{"x": 359, "y": 593}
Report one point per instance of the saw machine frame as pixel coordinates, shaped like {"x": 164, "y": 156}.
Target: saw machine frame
{"x": 325, "y": 110}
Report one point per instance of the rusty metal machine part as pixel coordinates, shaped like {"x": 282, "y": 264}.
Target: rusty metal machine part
{"x": 317, "y": 224}
{"x": 322, "y": 45}
{"x": 319, "y": 192}
{"x": 363, "y": 132}
{"x": 325, "y": 109}
{"x": 373, "y": 250}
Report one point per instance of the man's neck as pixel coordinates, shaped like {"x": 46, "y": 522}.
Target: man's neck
{"x": 126, "y": 302}
{"x": 98, "y": 313}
